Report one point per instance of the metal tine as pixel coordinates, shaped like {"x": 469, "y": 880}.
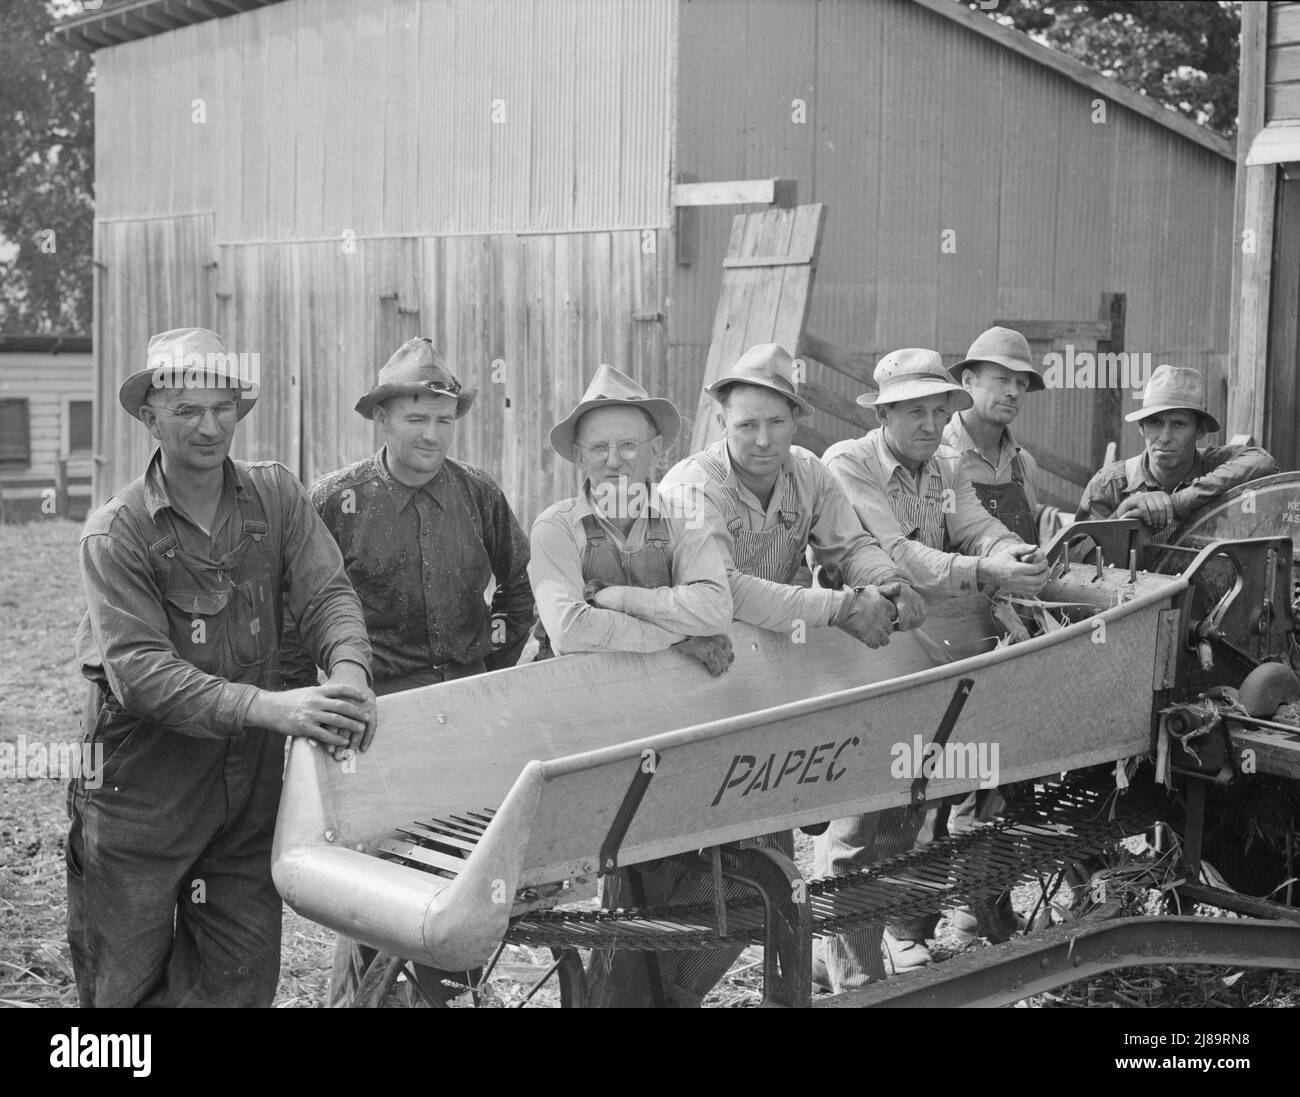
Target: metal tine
{"x": 428, "y": 834}
{"x": 456, "y": 828}
{"x": 472, "y": 823}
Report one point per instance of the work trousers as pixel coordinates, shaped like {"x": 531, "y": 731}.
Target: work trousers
{"x": 854, "y": 959}
{"x": 170, "y": 897}
{"x": 622, "y": 979}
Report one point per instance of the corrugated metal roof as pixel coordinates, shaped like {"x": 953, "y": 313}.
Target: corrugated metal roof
{"x": 119, "y": 21}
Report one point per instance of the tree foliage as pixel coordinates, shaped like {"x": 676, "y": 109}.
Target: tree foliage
{"x": 1182, "y": 53}
{"x": 46, "y": 176}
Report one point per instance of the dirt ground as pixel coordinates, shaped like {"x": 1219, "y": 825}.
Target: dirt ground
{"x": 40, "y": 606}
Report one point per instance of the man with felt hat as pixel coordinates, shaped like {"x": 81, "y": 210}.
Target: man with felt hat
{"x": 1172, "y": 478}
{"x": 170, "y": 897}
{"x": 917, "y": 498}
{"x": 423, "y": 536}
{"x": 619, "y": 568}
{"x": 997, "y": 373}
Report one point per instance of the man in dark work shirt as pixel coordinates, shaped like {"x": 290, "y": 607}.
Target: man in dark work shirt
{"x": 422, "y": 536}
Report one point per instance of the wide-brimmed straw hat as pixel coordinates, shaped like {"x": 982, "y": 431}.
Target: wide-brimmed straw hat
{"x": 1174, "y": 388}
{"x": 1003, "y": 347}
{"x": 913, "y": 373}
{"x": 187, "y": 358}
{"x": 416, "y": 369}
{"x": 613, "y": 388}
{"x": 767, "y": 365}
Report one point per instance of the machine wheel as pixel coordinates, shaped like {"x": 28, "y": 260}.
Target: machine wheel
{"x": 389, "y": 982}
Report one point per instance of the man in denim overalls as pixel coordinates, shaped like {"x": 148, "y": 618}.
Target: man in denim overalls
{"x": 170, "y": 897}
{"x": 618, "y": 569}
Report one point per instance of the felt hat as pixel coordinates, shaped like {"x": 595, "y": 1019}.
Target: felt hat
{"x": 1003, "y": 347}
{"x": 416, "y": 369}
{"x": 1174, "y": 388}
{"x": 188, "y": 358}
{"x": 913, "y": 373}
{"x": 767, "y": 365}
{"x": 613, "y": 388}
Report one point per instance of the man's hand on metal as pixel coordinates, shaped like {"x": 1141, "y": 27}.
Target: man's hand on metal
{"x": 333, "y": 713}
{"x": 869, "y": 618}
{"x": 1019, "y": 569}
{"x": 1154, "y": 508}
{"x": 713, "y": 651}
{"x": 909, "y": 605}
{"x": 352, "y": 674}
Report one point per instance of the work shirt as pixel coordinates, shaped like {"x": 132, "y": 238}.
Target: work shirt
{"x": 937, "y": 530}
{"x": 982, "y": 471}
{"x": 421, "y": 560}
{"x": 762, "y": 547}
{"x": 181, "y": 626}
{"x": 696, "y": 603}
{"x": 1215, "y": 470}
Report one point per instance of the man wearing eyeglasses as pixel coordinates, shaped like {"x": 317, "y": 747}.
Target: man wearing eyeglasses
{"x": 615, "y": 569}
{"x": 170, "y": 897}
{"x": 423, "y": 537}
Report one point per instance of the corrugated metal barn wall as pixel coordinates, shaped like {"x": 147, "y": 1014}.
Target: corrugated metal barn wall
{"x": 916, "y": 125}
{"x": 491, "y": 173}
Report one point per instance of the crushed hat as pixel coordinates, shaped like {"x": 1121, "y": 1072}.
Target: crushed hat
{"x": 416, "y": 369}
{"x": 188, "y": 358}
{"x": 910, "y": 374}
{"x": 1174, "y": 388}
{"x": 767, "y": 365}
{"x": 609, "y": 388}
{"x": 1002, "y": 347}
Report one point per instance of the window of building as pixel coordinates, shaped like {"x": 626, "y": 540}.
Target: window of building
{"x": 81, "y": 426}
{"x": 15, "y": 434}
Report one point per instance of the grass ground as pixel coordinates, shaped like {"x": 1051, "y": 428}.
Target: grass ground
{"x": 41, "y": 692}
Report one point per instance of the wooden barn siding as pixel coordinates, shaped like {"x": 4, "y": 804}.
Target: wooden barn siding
{"x": 47, "y": 382}
{"x": 550, "y": 308}
{"x": 377, "y": 118}
{"x": 915, "y": 125}
{"x": 1282, "y": 64}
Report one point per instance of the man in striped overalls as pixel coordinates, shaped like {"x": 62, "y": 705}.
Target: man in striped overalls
{"x": 618, "y": 569}
{"x": 918, "y": 500}
{"x": 768, "y": 502}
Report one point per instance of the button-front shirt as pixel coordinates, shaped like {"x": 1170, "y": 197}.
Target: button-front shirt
{"x": 642, "y": 619}
{"x": 981, "y": 470}
{"x": 876, "y": 482}
{"x": 225, "y": 592}
{"x": 421, "y": 560}
{"x": 823, "y": 521}
{"x": 1215, "y": 470}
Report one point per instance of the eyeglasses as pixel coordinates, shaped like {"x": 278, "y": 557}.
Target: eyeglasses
{"x": 627, "y": 450}
{"x": 222, "y": 412}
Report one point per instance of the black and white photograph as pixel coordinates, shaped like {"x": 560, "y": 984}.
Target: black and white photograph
{"x": 651, "y": 504}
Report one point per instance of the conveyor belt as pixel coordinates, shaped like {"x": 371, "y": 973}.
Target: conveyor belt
{"x": 1058, "y": 823}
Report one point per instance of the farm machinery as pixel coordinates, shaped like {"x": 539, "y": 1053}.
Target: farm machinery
{"x": 489, "y": 808}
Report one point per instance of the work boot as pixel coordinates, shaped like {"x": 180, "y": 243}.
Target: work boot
{"x": 821, "y": 978}
{"x": 905, "y": 955}
{"x": 995, "y": 921}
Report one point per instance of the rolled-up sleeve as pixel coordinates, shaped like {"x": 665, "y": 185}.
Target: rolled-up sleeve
{"x": 128, "y": 624}
{"x": 1229, "y": 467}
{"x": 318, "y": 595}
{"x": 699, "y": 601}
{"x": 572, "y": 625}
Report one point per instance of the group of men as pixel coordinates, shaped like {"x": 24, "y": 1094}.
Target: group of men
{"x": 228, "y": 608}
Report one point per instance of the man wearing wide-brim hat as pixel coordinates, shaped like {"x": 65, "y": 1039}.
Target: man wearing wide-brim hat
{"x": 423, "y": 536}
{"x": 997, "y": 373}
{"x": 170, "y": 896}
{"x": 613, "y": 568}
{"x": 618, "y": 568}
{"x": 918, "y": 500}
{"x": 768, "y": 502}
{"x": 1172, "y": 478}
